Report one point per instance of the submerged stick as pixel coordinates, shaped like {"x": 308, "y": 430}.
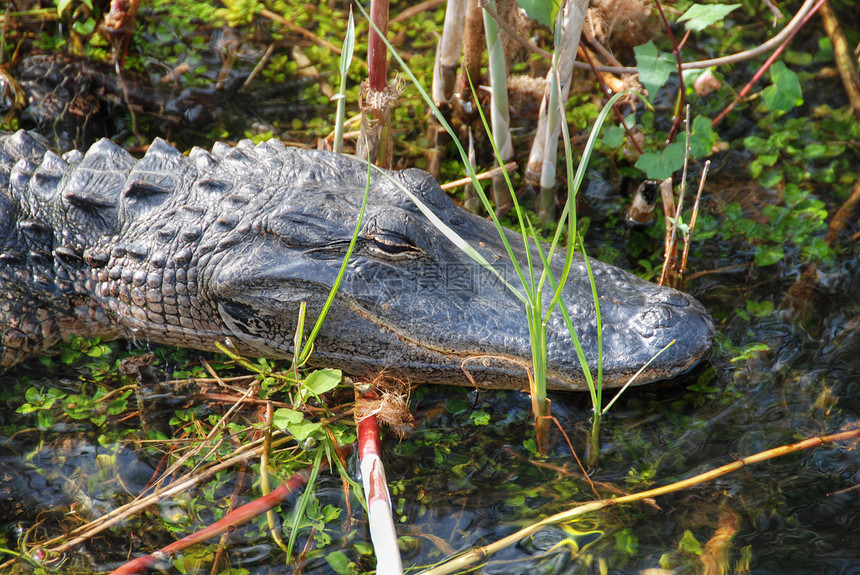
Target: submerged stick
{"x": 230, "y": 521}
{"x": 479, "y": 553}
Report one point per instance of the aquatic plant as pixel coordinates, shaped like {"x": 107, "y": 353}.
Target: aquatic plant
{"x": 532, "y": 294}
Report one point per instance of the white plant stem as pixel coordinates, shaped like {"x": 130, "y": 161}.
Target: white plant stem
{"x": 448, "y": 52}
{"x": 500, "y": 116}
{"x": 541, "y": 165}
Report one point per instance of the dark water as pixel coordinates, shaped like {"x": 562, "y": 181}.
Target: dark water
{"x": 456, "y": 484}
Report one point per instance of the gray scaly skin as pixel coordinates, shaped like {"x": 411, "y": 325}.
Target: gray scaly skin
{"x": 189, "y": 251}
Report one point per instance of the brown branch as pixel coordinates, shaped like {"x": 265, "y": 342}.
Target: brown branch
{"x": 766, "y": 65}
{"x": 479, "y": 553}
{"x": 417, "y": 9}
{"x": 608, "y": 93}
{"x": 790, "y": 29}
{"x": 844, "y": 215}
{"x": 842, "y": 53}
{"x": 299, "y": 30}
{"x": 510, "y": 166}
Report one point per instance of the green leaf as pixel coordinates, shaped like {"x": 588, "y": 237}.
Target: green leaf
{"x": 302, "y": 430}
{"x": 761, "y": 161}
{"x": 33, "y": 395}
{"x": 785, "y": 93}
{"x": 654, "y": 67}
{"x": 98, "y": 350}
{"x": 531, "y": 446}
{"x": 702, "y": 137}
{"x": 321, "y": 381}
{"x": 284, "y": 417}
{"x": 760, "y": 309}
{"x": 44, "y": 419}
{"x": 818, "y": 150}
{"x": 294, "y": 422}
{"x": 339, "y": 561}
{"x": 348, "y": 46}
{"x": 770, "y": 178}
{"x": 690, "y": 544}
{"x": 62, "y": 6}
{"x": 768, "y": 255}
{"x": 85, "y": 28}
{"x": 820, "y": 250}
{"x": 700, "y": 16}
{"x": 480, "y": 417}
{"x": 659, "y": 166}
{"x": 613, "y": 136}
{"x": 544, "y": 11}
{"x": 825, "y": 50}
{"x": 626, "y": 542}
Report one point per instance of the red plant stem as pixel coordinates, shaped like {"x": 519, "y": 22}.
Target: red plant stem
{"x": 608, "y": 93}
{"x": 377, "y": 53}
{"x": 232, "y": 520}
{"x": 683, "y": 41}
{"x": 370, "y": 451}
{"x": 764, "y": 67}
{"x": 681, "y": 91}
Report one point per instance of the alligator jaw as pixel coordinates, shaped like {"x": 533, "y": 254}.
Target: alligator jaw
{"x": 665, "y": 329}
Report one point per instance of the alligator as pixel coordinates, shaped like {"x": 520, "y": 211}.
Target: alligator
{"x": 225, "y": 245}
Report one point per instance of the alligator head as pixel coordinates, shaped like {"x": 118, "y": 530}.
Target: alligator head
{"x": 416, "y": 306}
{"x": 228, "y": 244}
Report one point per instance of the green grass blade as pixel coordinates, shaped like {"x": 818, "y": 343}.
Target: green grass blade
{"x": 345, "y": 59}
{"x": 348, "y": 46}
{"x": 574, "y": 182}
{"x": 530, "y": 287}
{"x": 452, "y": 236}
{"x": 599, "y": 320}
{"x": 463, "y": 155}
{"x": 302, "y": 503}
{"x": 306, "y": 350}
{"x": 569, "y": 211}
{"x": 635, "y": 375}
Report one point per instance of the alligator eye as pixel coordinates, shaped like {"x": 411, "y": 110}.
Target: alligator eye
{"x": 393, "y": 246}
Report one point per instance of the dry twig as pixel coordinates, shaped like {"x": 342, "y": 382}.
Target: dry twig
{"x": 478, "y": 554}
